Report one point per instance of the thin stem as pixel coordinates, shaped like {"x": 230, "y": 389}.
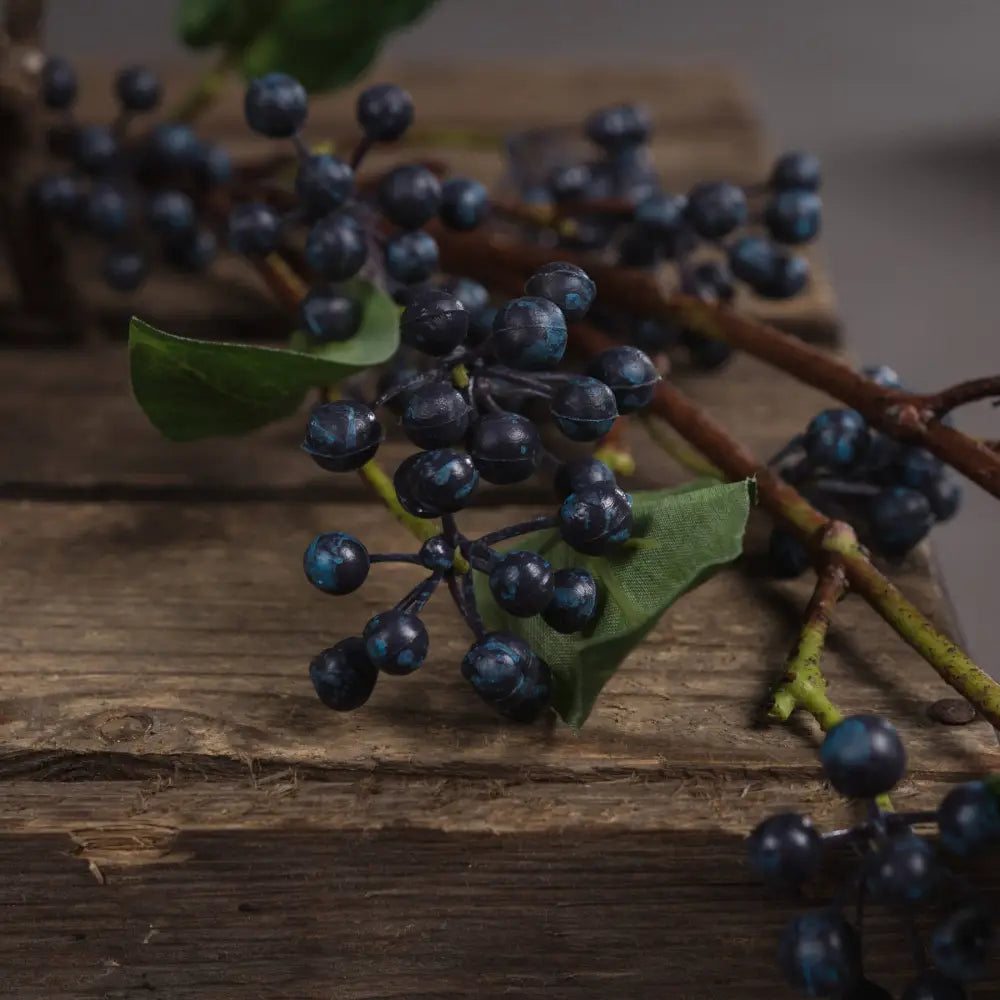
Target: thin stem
{"x": 302, "y": 150}
{"x": 287, "y": 286}
{"x": 523, "y": 528}
{"x": 360, "y": 151}
{"x": 459, "y": 594}
{"x": 206, "y": 90}
{"x": 676, "y": 448}
{"x": 416, "y": 600}
{"x": 973, "y": 391}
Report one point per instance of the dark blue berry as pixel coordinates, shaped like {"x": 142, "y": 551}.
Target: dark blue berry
{"x": 343, "y": 675}
{"x": 578, "y": 474}
{"x": 323, "y": 183}
{"x": 945, "y": 497}
{"x": 437, "y": 554}
{"x": 653, "y": 336}
{"x": 567, "y": 285}
{"x": 411, "y": 257}
{"x": 794, "y": 216}
{"x": 903, "y": 871}
{"x": 505, "y": 448}
{"x": 584, "y": 409}
{"x": 752, "y": 259}
{"x": 124, "y": 270}
{"x": 404, "y": 482}
{"x": 932, "y": 985}
{"x": 707, "y": 353}
{"x": 618, "y": 127}
{"x": 396, "y": 642}
{"x": 59, "y": 195}
{"x": 507, "y": 674}
{"x": 471, "y": 294}
{"x": 969, "y": 818}
{"x": 574, "y": 601}
{"x": 789, "y": 275}
{"x": 521, "y": 583}
{"x": 58, "y": 84}
{"x": 97, "y": 149}
{"x": 138, "y": 88}
{"x": 709, "y": 281}
{"x": 173, "y": 147}
{"x": 434, "y": 322}
{"x": 716, "y": 208}
{"x": 530, "y": 333}
{"x": 628, "y": 373}
{"x": 595, "y": 518}
{"x": 436, "y": 415}
{"x": 962, "y": 942}
{"x": 863, "y": 756}
{"x": 275, "y": 105}
{"x": 254, "y": 229}
{"x": 662, "y": 217}
{"x": 600, "y": 182}
{"x": 214, "y": 166}
{"x": 796, "y": 171}
{"x": 464, "y": 204}
{"x": 444, "y": 480}
{"x": 391, "y": 382}
{"x": 171, "y": 213}
{"x": 342, "y": 436}
{"x": 836, "y": 439}
{"x": 787, "y": 557}
{"x": 409, "y": 195}
{"x": 785, "y": 850}
{"x": 820, "y": 954}
{"x": 883, "y": 375}
{"x": 481, "y": 325}
{"x": 384, "y": 112}
{"x": 899, "y": 518}
{"x": 192, "y": 251}
{"x": 633, "y": 174}
{"x": 328, "y": 315}
{"x": 336, "y": 563}
{"x": 336, "y": 246}
{"x": 106, "y": 211}
{"x": 917, "y": 468}
{"x": 569, "y": 183}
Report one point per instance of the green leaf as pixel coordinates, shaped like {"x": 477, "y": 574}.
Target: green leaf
{"x": 192, "y": 389}
{"x": 230, "y": 23}
{"x": 680, "y": 538}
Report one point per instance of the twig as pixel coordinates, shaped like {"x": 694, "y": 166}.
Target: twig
{"x": 955, "y": 396}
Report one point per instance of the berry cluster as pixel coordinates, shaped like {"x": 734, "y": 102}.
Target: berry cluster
{"x": 454, "y": 411}
{"x": 821, "y": 952}
{"x": 138, "y": 196}
{"x": 344, "y": 223}
{"x": 891, "y": 493}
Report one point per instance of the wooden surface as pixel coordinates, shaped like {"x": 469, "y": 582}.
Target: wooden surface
{"x": 181, "y": 817}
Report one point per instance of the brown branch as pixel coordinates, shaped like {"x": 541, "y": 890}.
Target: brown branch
{"x": 973, "y": 391}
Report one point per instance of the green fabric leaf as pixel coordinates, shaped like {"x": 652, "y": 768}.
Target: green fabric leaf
{"x": 230, "y": 23}
{"x": 680, "y": 538}
{"x": 192, "y": 389}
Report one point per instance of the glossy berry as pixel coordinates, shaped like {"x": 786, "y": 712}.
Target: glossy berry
{"x": 124, "y": 270}
{"x": 628, "y": 373}
{"x": 969, "y": 818}
{"x": 444, "y": 480}
{"x": 59, "y": 85}
{"x": 106, "y": 210}
{"x": 662, "y": 217}
{"x": 384, "y": 112}
{"x": 254, "y": 229}
{"x": 521, "y": 583}
{"x": 434, "y": 322}
{"x": 464, "y": 204}
{"x": 409, "y": 195}
{"x": 716, "y": 208}
{"x": 336, "y": 563}
{"x": 336, "y": 246}
{"x": 404, "y": 483}
{"x": 214, "y": 165}
{"x": 787, "y": 557}
{"x": 569, "y": 183}
{"x": 437, "y": 553}
{"x": 192, "y": 251}
{"x": 634, "y": 174}
{"x": 574, "y": 601}
{"x": 584, "y": 409}
{"x": 328, "y": 315}
{"x": 785, "y": 850}
{"x": 171, "y": 213}
{"x": 836, "y": 439}
{"x": 595, "y": 518}
{"x": 653, "y": 336}
{"x": 396, "y": 642}
{"x": 471, "y": 294}
{"x": 567, "y": 285}
{"x": 411, "y": 257}
{"x": 436, "y": 415}
{"x": 706, "y": 353}
{"x": 917, "y": 468}
{"x": 342, "y": 436}
{"x": 96, "y": 149}
{"x": 529, "y": 333}
{"x": 883, "y": 375}
{"x": 618, "y": 127}
{"x": 752, "y": 259}
{"x": 932, "y": 985}
{"x": 174, "y": 147}
{"x": 796, "y": 171}
{"x": 899, "y": 518}
{"x": 343, "y": 675}
{"x": 505, "y": 448}
{"x": 58, "y": 195}
{"x": 580, "y": 473}
{"x": 275, "y": 105}
{"x": 323, "y": 183}
{"x": 904, "y": 871}
{"x": 863, "y": 756}
{"x": 794, "y": 216}
{"x": 962, "y": 942}
{"x": 820, "y": 954}
{"x": 507, "y": 674}
{"x": 138, "y": 88}
{"x": 709, "y": 281}
{"x": 789, "y": 275}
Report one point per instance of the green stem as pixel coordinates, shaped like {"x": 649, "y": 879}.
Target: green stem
{"x": 205, "y": 92}
{"x": 376, "y": 477}
{"x": 678, "y": 450}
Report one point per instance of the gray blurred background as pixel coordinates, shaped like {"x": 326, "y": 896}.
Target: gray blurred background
{"x": 899, "y": 97}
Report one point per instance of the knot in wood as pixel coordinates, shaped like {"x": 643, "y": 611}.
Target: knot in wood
{"x": 125, "y": 728}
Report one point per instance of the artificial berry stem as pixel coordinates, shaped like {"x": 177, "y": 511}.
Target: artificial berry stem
{"x": 523, "y": 528}
{"x": 958, "y": 395}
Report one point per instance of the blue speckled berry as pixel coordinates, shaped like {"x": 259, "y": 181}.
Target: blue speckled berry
{"x": 384, "y": 112}
{"x": 796, "y": 170}
{"x": 595, "y": 518}
{"x": 932, "y": 985}
{"x": 343, "y": 676}
{"x": 171, "y": 213}
{"x": 787, "y": 557}
{"x": 434, "y": 321}
{"x": 969, "y": 818}
{"x": 336, "y": 246}
{"x": 569, "y": 183}
{"x": 505, "y": 448}
{"x": 411, "y": 257}
{"x": 662, "y": 217}
{"x": 628, "y": 373}
{"x": 437, "y": 553}
{"x": 836, "y": 439}
{"x": 254, "y": 229}
{"x": 464, "y": 204}
{"x": 584, "y": 409}
{"x": 323, "y": 183}
{"x": 820, "y": 954}
{"x": 444, "y": 480}
{"x": 275, "y": 105}
{"x": 794, "y": 216}
{"x": 789, "y": 275}
{"x": 58, "y": 84}
{"x": 530, "y": 334}
{"x": 903, "y": 871}
{"x": 436, "y": 414}
{"x": 409, "y": 195}
{"x": 568, "y": 286}
{"x": 138, "y": 88}
{"x": 124, "y": 270}
{"x": 899, "y": 518}
{"x": 917, "y": 468}
{"x": 574, "y": 601}
{"x": 174, "y": 147}
{"x": 963, "y": 941}
{"x": 507, "y": 674}
{"x": 336, "y": 563}
{"x": 618, "y": 127}
{"x": 716, "y": 208}
{"x": 214, "y": 165}
{"x": 471, "y": 294}
{"x": 396, "y": 642}
{"x": 785, "y": 850}
{"x": 883, "y": 375}
{"x": 521, "y": 583}
{"x": 191, "y": 251}
{"x": 580, "y": 473}
{"x": 405, "y": 485}
{"x": 863, "y": 756}
{"x": 96, "y": 150}
{"x": 328, "y": 315}
{"x": 107, "y": 210}
{"x": 342, "y": 436}
{"x": 752, "y": 259}
{"x": 709, "y": 281}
